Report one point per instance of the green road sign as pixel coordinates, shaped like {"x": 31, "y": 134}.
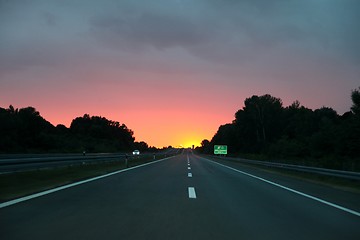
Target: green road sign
{"x": 220, "y": 149}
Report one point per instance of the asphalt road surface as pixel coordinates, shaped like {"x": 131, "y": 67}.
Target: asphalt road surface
{"x": 186, "y": 197}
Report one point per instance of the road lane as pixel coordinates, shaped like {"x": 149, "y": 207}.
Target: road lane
{"x": 292, "y": 190}
{"x": 264, "y": 211}
{"x": 337, "y": 195}
{"x": 152, "y": 202}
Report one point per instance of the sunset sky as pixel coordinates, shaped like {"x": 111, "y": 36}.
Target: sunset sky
{"x": 174, "y": 70}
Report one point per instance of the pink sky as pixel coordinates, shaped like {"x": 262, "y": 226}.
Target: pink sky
{"x": 174, "y": 71}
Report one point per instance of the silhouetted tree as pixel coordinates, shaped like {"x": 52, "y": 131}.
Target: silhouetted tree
{"x": 355, "y": 97}
{"x": 24, "y": 130}
{"x": 206, "y": 146}
{"x": 141, "y": 146}
{"x": 205, "y": 143}
{"x": 92, "y": 129}
{"x": 264, "y": 126}
{"x": 226, "y": 135}
{"x": 258, "y": 123}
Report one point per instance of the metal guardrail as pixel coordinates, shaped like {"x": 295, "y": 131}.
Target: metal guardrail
{"x": 10, "y": 165}
{"x": 21, "y": 163}
{"x": 321, "y": 171}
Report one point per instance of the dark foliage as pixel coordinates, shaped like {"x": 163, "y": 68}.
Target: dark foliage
{"x": 25, "y": 131}
{"x": 320, "y": 137}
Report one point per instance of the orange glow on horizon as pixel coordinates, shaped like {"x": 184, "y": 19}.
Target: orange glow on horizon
{"x": 190, "y": 143}
{"x": 183, "y": 129}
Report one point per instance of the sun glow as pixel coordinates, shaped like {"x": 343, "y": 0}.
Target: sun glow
{"x": 190, "y": 143}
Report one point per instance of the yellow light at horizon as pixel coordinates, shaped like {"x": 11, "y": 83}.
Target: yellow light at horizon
{"x": 190, "y": 143}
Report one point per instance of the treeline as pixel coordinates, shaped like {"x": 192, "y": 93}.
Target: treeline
{"x": 26, "y": 131}
{"x": 321, "y": 137}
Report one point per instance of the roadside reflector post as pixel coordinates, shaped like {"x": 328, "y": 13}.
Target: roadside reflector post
{"x": 154, "y": 156}
{"x": 126, "y": 161}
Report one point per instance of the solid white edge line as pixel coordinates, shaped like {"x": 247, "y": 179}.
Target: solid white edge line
{"x": 289, "y": 189}
{"x": 22, "y": 199}
{"x": 192, "y": 193}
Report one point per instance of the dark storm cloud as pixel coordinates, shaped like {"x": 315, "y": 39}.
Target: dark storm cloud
{"x": 233, "y": 30}
{"x": 329, "y": 28}
{"x": 49, "y": 18}
{"x": 257, "y": 33}
{"x": 159, "y": 31}
{"x": 38, "y": 34}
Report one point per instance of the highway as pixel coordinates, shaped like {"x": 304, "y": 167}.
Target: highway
{"x": 187, "y": 197}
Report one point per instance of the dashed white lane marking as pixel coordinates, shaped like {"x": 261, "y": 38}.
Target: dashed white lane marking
{"x": 289, "y": 189}
{"x": 189, "y": 174}
{"x": 189, "y": 168}
{"x": 192, "y": 193}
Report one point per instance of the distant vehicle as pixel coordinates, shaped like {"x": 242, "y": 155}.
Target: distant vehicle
{"x": 136, "y": 152}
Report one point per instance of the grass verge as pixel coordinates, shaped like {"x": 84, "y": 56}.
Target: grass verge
{"x": 15, "y": 185}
